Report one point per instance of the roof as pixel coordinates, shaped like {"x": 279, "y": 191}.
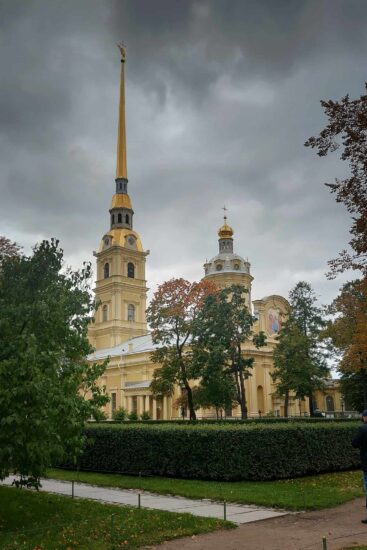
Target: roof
{"x": 137, "y": 385}
{"x": 138, "y": 344}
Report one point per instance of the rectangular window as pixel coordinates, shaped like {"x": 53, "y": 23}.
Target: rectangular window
{"x": 113, "y": 402}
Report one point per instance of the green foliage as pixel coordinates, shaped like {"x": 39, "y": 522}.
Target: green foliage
{"x": 47, "y": 388}
{"x": 99, "y": 415}
{"x": 133, "y": 416}
{"x": 172, "y": 314}
{"x": 39, "y": 520}
{"x": 145, "y": 416}
{"x": 222, "y": 326}
{"x": 309, "y": 318}
{"x": 221, "y": 452}
{"x": 119, "y": 415}
{"x": 352, "y": 387}
{"x": 292, "y": 363}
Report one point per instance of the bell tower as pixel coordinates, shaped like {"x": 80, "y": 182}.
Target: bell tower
{"x": 228, "y": 268}
{"x": 120, "y": 286}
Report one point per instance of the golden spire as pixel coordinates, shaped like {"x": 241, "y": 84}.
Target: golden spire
{"x": 121, "y": 168}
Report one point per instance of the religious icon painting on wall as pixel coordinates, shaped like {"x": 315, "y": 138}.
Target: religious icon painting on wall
{"x": 274, "y": 321}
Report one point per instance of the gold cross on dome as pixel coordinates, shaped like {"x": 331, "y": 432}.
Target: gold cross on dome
{"x": 225, "y": 209}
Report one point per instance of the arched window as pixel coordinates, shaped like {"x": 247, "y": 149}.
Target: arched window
{"x": 330, "y": 403}
{"x": 104, "y": 313}
{"x": 131, "y": 270}
{"x": 119, "y": 218}
{"x": 127, "y": 218}
{"x": 131, "y": 312}
{"x": 106, "y": 271}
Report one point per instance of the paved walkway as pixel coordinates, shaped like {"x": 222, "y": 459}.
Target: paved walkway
{"x": 238, "y": 513}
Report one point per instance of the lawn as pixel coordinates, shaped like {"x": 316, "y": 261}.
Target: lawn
{"x": 41, "y": 521}
{"x": 306, "y": 493}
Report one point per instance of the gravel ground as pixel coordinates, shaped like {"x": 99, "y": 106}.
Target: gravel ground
{"x": 303, "y": 531}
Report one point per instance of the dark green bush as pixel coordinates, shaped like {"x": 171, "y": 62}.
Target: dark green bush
{"x": 119, "y": 415}
{"x": 257, "y": 452}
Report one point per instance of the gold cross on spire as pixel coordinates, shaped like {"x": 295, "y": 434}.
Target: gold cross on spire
{"x": 225, "y": 212}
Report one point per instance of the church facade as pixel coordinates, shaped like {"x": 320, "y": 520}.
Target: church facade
{"x": 120, "y": 331}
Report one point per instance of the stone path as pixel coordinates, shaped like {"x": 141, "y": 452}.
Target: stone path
{"x": 238, "y": 513}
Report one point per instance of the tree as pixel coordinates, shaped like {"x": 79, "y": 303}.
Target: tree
{"x": 47, "y": 387}
{"x": 293, "y": 368}
{"x": 347, "y": 128}
{"x": 8, "y": 249}
{"x": 352, "y": 386}
{"x": 171, "y": 315}
{"x": 222, "y": 326}
{"x": 217, "y": 388}
{"x": 348, "y": 332}
{"x": 308, "y": 316}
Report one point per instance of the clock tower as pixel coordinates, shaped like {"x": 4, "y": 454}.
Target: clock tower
{"x": 120, "y": 286}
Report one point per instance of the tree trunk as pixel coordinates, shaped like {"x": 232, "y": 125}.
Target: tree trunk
{"x": 243, "y": 397}
{"x": 310, "y": 403}
{"x": 286, "y": 402}
{"x": 190, "y": 402}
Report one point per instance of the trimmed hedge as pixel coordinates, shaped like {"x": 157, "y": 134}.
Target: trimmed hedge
{"x": 226, "y": 421}
{"x": 221, "y": 452}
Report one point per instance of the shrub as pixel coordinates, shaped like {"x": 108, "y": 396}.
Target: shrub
{"x": 133, "y": 415}
{"x": 221, "y": 452}
{"x": 119, "y": 415}
{"x": 145, "y": 416}
{"x": 99, "y": 415}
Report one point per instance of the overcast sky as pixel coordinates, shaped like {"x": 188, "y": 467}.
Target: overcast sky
{"x": 220, "y": 97}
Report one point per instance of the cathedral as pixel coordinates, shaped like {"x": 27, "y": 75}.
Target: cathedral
{"x": 120, "y": 331}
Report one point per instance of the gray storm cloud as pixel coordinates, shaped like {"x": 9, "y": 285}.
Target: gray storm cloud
{"x": 220, "y": 98}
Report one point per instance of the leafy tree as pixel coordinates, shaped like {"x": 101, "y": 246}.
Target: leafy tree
{"x": 222, "y": 326}
{"x": 352, "y": 389}
{"x": 47, "y": 388}
{"x": 8, "y": 249}
{"x": 171, "y": 315}
{"x": 292, "y": 365}
{"x": 348, "y": 333}
{"x": 347, "y": 129}
{"x": 308, "y": 316}
{"x": 216, "y": 388}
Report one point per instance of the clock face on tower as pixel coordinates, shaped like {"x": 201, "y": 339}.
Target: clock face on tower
{"x": 131, "y": 241}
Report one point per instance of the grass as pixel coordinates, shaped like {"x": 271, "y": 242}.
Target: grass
{"x": 41, "y": 521}
{"x": 307, "y": 493}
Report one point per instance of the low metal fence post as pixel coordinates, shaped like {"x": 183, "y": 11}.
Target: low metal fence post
{"x": 72, "y": 489}
{"x": 324, "y": 545}
{"x": 225, "y": 510}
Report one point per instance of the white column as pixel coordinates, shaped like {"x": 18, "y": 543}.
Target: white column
{"x": 165, "y": 416}
{"x": 146, "y": 403}
{"x": 154, "y": 409}
{"x": 140, "y": 404}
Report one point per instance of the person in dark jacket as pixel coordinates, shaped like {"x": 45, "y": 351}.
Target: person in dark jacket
{"x": 360, "y": 442}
